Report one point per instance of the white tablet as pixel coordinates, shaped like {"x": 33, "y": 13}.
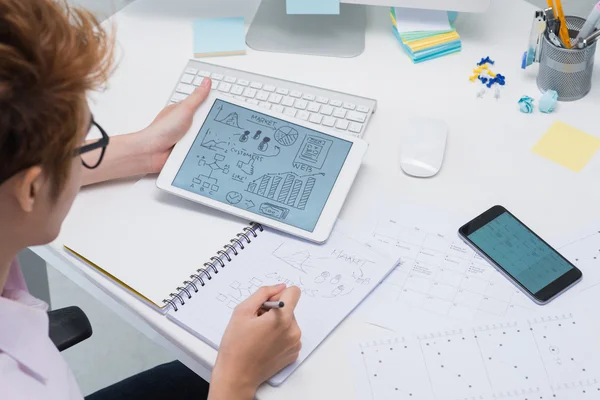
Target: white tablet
{"x": 248, "y": 161}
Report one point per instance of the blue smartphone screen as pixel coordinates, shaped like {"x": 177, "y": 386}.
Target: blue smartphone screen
{"x": 520, "y": 252}
{"x": 263, "y": 164}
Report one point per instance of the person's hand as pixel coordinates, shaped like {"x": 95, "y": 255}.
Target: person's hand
{"x": 257, "y": 344}
{"x": 172, "y": 124}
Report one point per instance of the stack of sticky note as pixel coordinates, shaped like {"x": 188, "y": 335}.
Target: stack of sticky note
{"x": 425, "y": 34}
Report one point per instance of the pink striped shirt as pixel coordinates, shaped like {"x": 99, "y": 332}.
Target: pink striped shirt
{"x": 30, "y": 365}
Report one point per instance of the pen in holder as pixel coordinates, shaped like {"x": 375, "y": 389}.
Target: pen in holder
{"x": 567, "y": 71}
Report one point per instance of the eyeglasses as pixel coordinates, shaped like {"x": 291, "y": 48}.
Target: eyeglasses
{"x": 99, "y": 146}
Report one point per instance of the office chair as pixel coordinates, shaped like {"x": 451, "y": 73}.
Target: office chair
{"x": 68, "y": 326}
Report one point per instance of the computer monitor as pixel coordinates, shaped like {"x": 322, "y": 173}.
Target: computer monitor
{"x": 340, "y": 35}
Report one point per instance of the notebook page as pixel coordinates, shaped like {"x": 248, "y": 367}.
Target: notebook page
{"x": 150, "y": 240}
{"x": 334, "y": 278}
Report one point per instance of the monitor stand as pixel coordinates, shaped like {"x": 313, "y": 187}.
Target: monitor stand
{"x": 322, "y": 35}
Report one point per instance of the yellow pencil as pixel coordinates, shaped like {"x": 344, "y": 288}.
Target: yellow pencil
{"x": 564, "y": 29}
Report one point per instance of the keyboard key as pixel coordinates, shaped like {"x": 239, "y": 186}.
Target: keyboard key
{"x": 349, "y": 106}
{"x": 184, "y": 88}
{"x": 224, "y": 87}
{"x": 342, "y": 124}
{"x": 356, "y": 117}
{"x": 252, "y": 101}
{"x": 296, "y": 94}
{"x": 243, "y": 82}
{"x": 256, "y": 85}
{"x": 308, "y": 97}
{"x": 303, "y": 115}
{"x": 250, "y": 93}
{"x": 326, "y": 110}
{"x": 339, "y": 113}
{"x": 262, "y": 96}
{"x": 269, "y": 88}
{"x": 205, "y": 74}
{"x": 277, "y": 108}
{"x": 187, "y": 78}
{"x": 177, "y": 97}
{"x": 316, "y": 118}
{"x": 329, "y": 121}
{"x": 237, "y": 90}
{"x": 240, "y": 98}
{"x": 216, "y": 77}
{"x": 314, "y": 107}
{"x": 354, "y": 127}
{"x": 198, "y": 81}
{"x": 230, "y": 79}
{"x": 290, "y": 111}
{"x": 301, "y": 104}
{"x": 363, "y": 109}
{"x": 282, "y": 91}
{"x": 336, "y": 103}
{"x": 265, "y": 105}
{"x": 275, "y": 98}
{"x": 192, "y": 71}
{"x": 322, "y": 100}
{"x": 214, "y": 86}
{"x": 288, "y": 101}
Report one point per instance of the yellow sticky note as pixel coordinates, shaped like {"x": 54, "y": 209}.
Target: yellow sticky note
{"x": 567, "y": 146}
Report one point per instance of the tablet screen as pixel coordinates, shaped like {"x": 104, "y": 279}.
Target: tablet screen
{"x": 263, "y": 164}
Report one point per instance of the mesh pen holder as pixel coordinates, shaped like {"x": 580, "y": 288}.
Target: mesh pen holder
{"x": 567, "y": 71}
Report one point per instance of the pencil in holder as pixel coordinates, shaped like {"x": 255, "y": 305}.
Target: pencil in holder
{"x": 567, "y": 71}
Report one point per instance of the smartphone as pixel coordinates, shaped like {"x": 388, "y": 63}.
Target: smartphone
{"x": 520, "y": 255}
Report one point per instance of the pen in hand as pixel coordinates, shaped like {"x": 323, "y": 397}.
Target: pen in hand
{"x": 269, "y": 305}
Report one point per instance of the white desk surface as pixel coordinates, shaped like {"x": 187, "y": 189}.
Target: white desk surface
{"x": 488, "y": 159}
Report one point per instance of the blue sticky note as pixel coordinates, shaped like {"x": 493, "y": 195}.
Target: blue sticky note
{"x": 219, "y": 37}
{"x": 313, "y": 6}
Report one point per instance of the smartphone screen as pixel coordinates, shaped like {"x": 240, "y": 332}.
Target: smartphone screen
{"x": 535, "y": 266}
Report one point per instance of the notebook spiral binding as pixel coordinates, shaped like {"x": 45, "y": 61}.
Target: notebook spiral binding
{"x": 211, "y": 267}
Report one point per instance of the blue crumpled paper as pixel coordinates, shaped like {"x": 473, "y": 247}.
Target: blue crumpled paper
{"x": 526, "y": 104}
{"x": 548, "y": 101}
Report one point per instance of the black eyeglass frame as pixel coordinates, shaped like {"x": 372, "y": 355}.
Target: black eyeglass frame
{"x": 100, "y": 143}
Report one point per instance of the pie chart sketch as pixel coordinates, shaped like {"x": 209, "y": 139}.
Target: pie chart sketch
{"x": 286, "y": 135}
{"x": 233, "y": 197}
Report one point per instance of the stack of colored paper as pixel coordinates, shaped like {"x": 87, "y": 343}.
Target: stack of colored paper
{"x": 425, "y": 34}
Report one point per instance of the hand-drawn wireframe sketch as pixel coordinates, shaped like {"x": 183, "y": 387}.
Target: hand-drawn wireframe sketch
{"x": 300, "y": 260}
{"x": 336, "y": 279}
{"x": 286, "y": 188}
{"x": 313, "y": 152}
{"x": 213, "y": 144}
{"x": 340, "y": 290}
{"x": 286, "y": 136}
{"x": 359, "y": 277}
{"x": 441, "y": 274}
{"x": 232, "y": 119}
{"x": 515, "y": 360}
{"x": 238, "y": 292}
{"x": 274, "y": 211}
{"x": 205, "y": 179}
{"x": 257, "y": 135}
{"x": 249, "y": 204}
{"x": 264, "y": 145}
{"x": 233, "y": 197}
{"x": 583, "y": 251}
{"x": 323, "y": 277}
{"x": 277, "y": 277}
{"x": 247, "y": 167}
{"x": 244, "y": 137}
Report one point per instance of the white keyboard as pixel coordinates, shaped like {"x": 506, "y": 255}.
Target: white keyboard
{"x": 343, "y": 112}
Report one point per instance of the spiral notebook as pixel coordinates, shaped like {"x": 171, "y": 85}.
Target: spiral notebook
{"x": 196, "y": 265}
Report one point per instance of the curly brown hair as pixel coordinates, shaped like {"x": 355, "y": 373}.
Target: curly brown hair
{"x": 51, "y": 55}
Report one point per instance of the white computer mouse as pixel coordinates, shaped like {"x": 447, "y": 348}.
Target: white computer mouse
{"x": 423, "y": 147}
